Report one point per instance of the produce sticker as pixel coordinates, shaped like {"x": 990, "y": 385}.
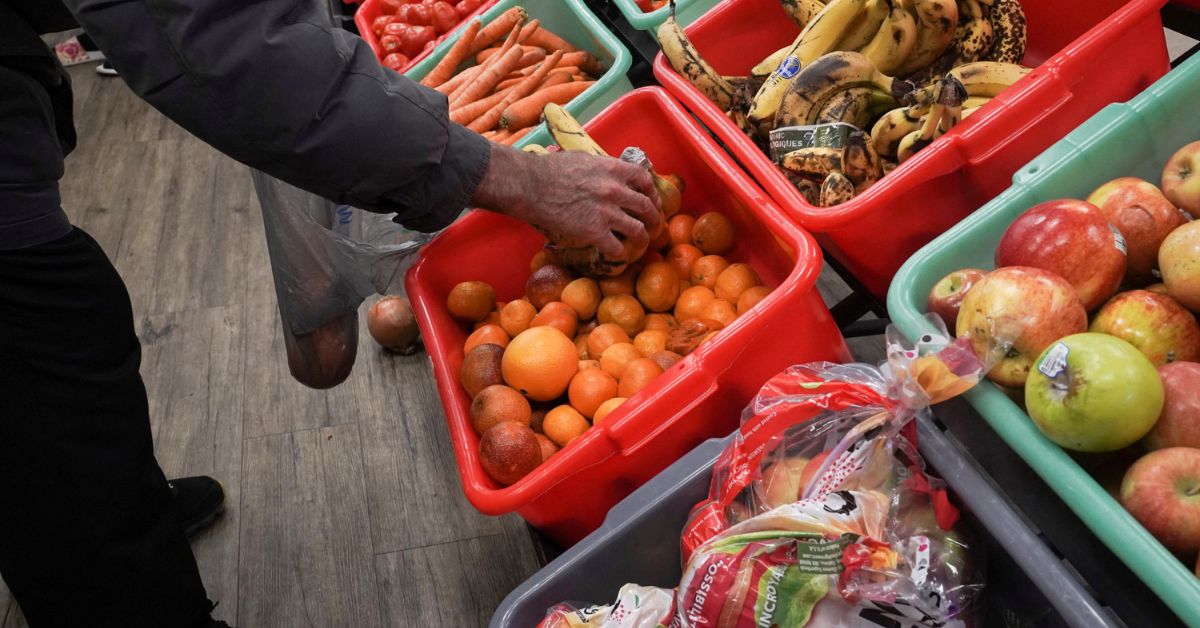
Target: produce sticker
{"x": 789, "y": 138}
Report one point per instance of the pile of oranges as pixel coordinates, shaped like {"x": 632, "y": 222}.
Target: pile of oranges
{"x": 543, "y": 368}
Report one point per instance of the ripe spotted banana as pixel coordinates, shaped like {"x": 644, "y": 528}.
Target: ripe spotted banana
{"x": 768, "y": 65}
{"x": 860, "y": 162}
{"x": 937, "y": 22}
{"x": 894, "y": 40}
{"x": 568, "y": 133}
{"x": 814, "y": 162}
{"x": 923, "y": 137}
{"x": 836, "y": 189}
{"x": 809, "y": 189}
{"x": 864, "y": 25}
{"x": 988, "y": 78}
{"x": 893, "y": 126}
{"x": 975, "y": 102}
{"x": 975, "y": 37}
{"x": 1008, "y": 26}
{"x": 536, "y": 149}
{"x": 802, "y": 11}
{"x": 818, "y": 37}
{"x": 686, "y": 60}
{"x": 827, "y": 76}
{"x": 851, "y": 106}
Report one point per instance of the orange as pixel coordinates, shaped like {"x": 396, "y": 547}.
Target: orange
{"x": 650, "y": 342}
{"x": 498, "y": 403}
{"x": 493, "y": 318}
{"x": 621, "y": 284}
{"x": 558, "y": 315}
{"x": 537, "y": 416}
{"x": 583, "y": 295}
{"x": 661, "y": 241}
{"x": 588, "y": 364}
{"x": 665, "y": 322}
{"x": 605, "y": 408}
{"x": 604, "y": 336}
{"x": 509, "y": 451}
{"x": 539, "y": 259}
{"x": 658, "y": 287}
{"x": 488, "y": 334}
{"x": 735, "y": 280}
{"x": 591, "y": 388}
{"x": 581, "y": 345}
{"x": 651, "y": 257}
{"x": 481, "y": 368}
{"x": 617, "y": 357}
{"x": 721, "y": 311}
{"x": 547, "y": 445}
{"x": 624, "y": 310}
{"x": 692, "y": 302}
{"x": 682, "y": 256}
{"x": 471, "y": 300}
{"x": 637, "y": 376}
{"x": 713, "y": 234}
{"x": 680, "y": 228}
{"x": 546, "y": 284}
{"x": 706, "y": 269}
{"x": 666, "y": 359}
{"x": 564, "y": 424}
{"x": 750, "y": 298}
{"x": 540, "y": 363}
{"x": 515, "y": 316}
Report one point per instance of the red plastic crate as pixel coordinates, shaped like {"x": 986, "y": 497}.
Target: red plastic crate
{"x": 699, "y": 398}
{"x": 371, "y": 9}
{"x": 1088, "y": 53}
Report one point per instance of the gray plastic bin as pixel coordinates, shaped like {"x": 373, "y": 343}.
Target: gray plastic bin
{"x": 1028, "y": 585}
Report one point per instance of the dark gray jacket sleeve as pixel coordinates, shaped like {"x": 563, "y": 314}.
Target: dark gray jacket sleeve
{"x": 274, "y": 85}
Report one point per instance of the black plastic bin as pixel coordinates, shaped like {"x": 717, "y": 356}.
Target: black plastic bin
{"x": 1028, "y": 585}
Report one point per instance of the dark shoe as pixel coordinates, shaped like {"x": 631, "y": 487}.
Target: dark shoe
{"x": 198, "y": 500}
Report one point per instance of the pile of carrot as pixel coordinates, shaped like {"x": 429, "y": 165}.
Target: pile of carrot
{"x": 499, "y": 77}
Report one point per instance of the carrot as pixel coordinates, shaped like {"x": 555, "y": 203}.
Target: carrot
{"x": 528, "y": 110}
{"x": 458, "y": 80}
{"x": 500, "y": 135}
{"x": 470, "y": 111}
{"x": 545, "y": 39}
{"x": 499, "y": 27}
{"x": 489, "y": 119}
{"x": 515, "y": 137}
{"x": 531, "y": 57}
{"x": 527, "y": 30}
{"x": 585, "y": 61}
{"x": 487, "y": 135}
{"x": 531, "y": 52}
{"x": 554, "y": 75}
{"x": 458, "y": 53}
{"x": 488, "y": 78}
{"x": 509, "y": 43}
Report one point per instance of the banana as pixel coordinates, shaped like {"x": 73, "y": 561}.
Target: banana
{"x": 818, "y": 37}
{"x": 826, "y": 76}
{"x": 860, "y": 162}
{"x": 802, "y": 11}
{"x": 1008, "y": 25}
{"x": 836, "y": 189}
{"x": 894, "y": 40}
{"x": 975, "y": 102}
{"x": 967, "y": 111}
{"x": 536, "y": 149}
{"x": 768, "y": 65}
{"x": 851, "y": 106}
{"x": 893, "y": 126}
{"x": 988, "y": 78}
{"x": 686, "y": 60}
{"x": 937, "y": 23}
{"x": 814, "y": 162}
{"x": 974, "y": 38}
{"x": 809, "y": 189}
{"x": 568, "y": 133}
{"x": 864, "y": 25}
{"x": 921, "y": 138}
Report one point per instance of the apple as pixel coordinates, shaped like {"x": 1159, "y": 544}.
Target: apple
{"x": 810, "y": 469}
{"x": 1093, "y": 393}
{"x": 1179, "y": 423}
{"x": 1181, "y": 179}
{"x": 1026, "y": 308}
{"x": 1158, "y": 288}
{"x": 947, "y": 294}
{"x": 1179, "y": 261}
{"x": 1157, "y": 325}
{"x": 781, "y": 481}
{"x": 1072, "y": 239}
{"x": 1162, "y": 491}
{"x": 1144, "y": 217}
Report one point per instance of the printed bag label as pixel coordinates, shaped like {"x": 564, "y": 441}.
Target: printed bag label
{"x": 789, "y": 138}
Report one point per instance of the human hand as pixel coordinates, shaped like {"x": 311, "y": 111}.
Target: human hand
{"x": 581, "y": 199}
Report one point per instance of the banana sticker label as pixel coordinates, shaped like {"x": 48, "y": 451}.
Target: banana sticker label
{"x": 789, "y": 138}
{"x": 788, "y": 68}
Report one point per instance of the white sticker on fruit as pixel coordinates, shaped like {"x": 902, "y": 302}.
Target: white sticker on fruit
{"x": 1119, "y": 240}
{"x": 1055, "y": 361}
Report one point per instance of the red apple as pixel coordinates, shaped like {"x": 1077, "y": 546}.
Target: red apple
{"x": 1179, "y": 423}
{"x": 1179, "y": 261}
{"x": 1157, "y": 325}
{"x": 781, "y": 481}
{"x": 810, "y": 469}
{"x": 1027, "y": 307}
{"x": 1158, "y": 288}
{"x": 1162, "y": 491}
{"x": 947, "y": 294}
{"x": 1181, "y": 179}
{"x": 1072, "y": 239}
{"x": 1144, "y": 216}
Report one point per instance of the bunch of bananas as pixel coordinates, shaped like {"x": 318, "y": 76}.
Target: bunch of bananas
{"x": 905, "y": 69}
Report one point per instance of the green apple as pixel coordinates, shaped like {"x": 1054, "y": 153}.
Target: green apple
{"x": 1094, "y": 393}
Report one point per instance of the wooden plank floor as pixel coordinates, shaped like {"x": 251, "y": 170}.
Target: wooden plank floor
{"x": 344, "y": 507}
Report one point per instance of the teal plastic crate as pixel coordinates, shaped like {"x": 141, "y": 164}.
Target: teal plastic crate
{"x": 571, "y": 20}
{"x": 686, "y": 12}
{"x": 1130, "y": 139}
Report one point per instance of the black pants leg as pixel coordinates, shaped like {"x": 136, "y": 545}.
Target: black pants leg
{"x": 87, "y": 535}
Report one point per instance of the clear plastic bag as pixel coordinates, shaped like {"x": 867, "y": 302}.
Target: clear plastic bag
{"x": 325, "y": 260}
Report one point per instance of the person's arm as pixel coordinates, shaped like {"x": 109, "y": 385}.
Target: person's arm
{"x": 274, "y": 85}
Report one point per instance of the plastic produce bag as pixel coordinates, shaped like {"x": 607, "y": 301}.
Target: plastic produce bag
{"x": 325, "y": 260}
